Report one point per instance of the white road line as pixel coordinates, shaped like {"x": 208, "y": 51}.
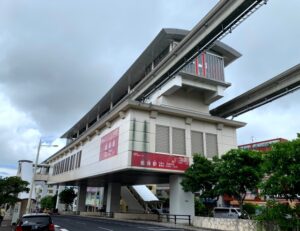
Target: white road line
{"x": 152, "y": 227}
{"x": 64, "y": 230}
{"x": 56, "y": 226}
{"x": 160, "y": 228}
{"x": 105, "y": 229}
{"x": 165, "y": 229}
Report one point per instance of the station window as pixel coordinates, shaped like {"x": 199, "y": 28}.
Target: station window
{"x": 197, "y": 143}
{"x": 61, "y": 167}
{"x": 72, "y": 162}
{"x": 78, "y": 159}
{"x": 211, "y": 145}
{"x": 67, "y": 164}
{"x": 162, "y": 140}
{"x": 178, "y": 141}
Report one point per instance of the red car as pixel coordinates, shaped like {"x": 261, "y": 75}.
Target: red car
{"x": 35, "y": 222}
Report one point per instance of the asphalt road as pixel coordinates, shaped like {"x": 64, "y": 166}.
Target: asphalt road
{"x": 77, "y": 223}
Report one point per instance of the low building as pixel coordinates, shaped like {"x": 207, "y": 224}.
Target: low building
{"x": 262, "y": 146}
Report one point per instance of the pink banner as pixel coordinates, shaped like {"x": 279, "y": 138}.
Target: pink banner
{"x": 109, "y": 144}
{"x": 159, "y": 161}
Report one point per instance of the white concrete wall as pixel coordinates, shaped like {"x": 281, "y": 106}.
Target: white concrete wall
{"x": 181, "y": 99}
{"x": 90, "y": 162}
{"x": 136, "y": 216}
{"x": 190, "y": 101}
{"x": 227, "y": 139}
{"x": 226, "y": 135}
{"x": 139, "y": 138}
{"x": 225, "y": 224}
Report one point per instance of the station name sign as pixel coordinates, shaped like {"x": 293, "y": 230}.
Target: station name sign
{"x": 109, "y": 144}
{"x": 159, "y": 161}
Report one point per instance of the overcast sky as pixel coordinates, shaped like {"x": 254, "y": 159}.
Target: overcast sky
{"x": 59, "y": 57}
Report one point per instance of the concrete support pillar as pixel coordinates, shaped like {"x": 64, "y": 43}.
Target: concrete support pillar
{"x": 181, "y": 203}
{"x": 81, "y": 197}
{"x": 113, "y": 197}
{"x": 104, "y": 201}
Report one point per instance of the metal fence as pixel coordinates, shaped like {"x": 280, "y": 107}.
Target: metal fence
{"x": 174, "y": 218}
{"x": 206, "y": 65}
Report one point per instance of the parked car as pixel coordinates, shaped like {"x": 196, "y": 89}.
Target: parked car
{"x": 35, "y": 222}
{"x": 229, "y": 212}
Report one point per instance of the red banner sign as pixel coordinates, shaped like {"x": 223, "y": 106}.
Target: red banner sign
{"x": 160, "y": 161}
{"x": 109, "y": 144}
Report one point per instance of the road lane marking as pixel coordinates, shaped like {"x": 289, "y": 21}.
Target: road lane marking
{"x": 105, "y": 229}
{"x": 163, "y": 229}
{"x": 64, "y": 230}
{"x": 159, "y": 228}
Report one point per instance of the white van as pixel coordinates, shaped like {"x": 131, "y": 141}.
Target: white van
{"x": 227, "y": 212}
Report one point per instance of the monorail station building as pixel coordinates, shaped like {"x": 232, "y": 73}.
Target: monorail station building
{"x": 145, "y": 132}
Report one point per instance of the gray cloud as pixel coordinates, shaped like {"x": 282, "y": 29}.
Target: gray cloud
{"x": 59, "y": 57}
{"x": 62, "y": 56}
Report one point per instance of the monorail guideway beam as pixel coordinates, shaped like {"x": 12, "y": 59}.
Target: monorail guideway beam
{"x": 282, "y": 84}
{"x": 225, "y": 16}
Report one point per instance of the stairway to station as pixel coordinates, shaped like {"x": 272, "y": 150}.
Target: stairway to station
{"x": 139, "y": 199}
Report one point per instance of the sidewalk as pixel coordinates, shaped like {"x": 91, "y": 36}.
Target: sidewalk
{"x": 6, "y": 225}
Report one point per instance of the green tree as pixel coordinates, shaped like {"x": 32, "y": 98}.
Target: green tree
{"x": 10, "y": 187}
{"x": 275, "y": 215}
{"x": 48, "y": 202}
{"x": 250, "y": 209}
{"x": 201, "y": 209}
{"x": 239, "y": 171}
{"x": 200, "y": 177}
{"x": 67, "y": 197}
{"x": 282, "y": 166}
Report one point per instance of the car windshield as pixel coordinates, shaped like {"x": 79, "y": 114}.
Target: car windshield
{"x": 36, "y": 220}
{"x": 236, "y": 210}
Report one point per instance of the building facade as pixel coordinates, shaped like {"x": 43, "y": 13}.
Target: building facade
{"x": 143, "y": 132}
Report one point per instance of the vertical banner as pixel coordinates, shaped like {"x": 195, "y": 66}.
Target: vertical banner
{"x": 109, "y": 144}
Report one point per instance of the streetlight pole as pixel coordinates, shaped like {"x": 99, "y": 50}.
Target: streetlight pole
{"x": 28, "y": 207}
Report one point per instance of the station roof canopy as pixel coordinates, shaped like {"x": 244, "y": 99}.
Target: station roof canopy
{"x": 136, "y": 73}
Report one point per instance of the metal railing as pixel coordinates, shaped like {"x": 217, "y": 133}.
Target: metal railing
{"x": 174, "y": 217}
